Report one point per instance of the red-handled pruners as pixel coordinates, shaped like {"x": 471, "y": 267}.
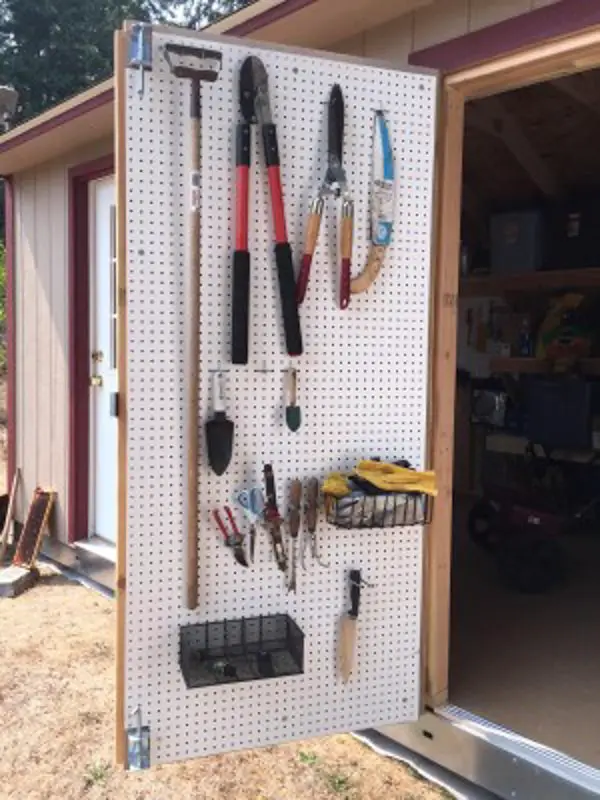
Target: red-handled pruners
{"x": 233, "y": 538}
{"x": 336, "y": 184}
{"x": 256, "y": 108}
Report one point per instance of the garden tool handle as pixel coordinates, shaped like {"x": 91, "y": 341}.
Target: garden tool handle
{"x": 346, "y": 240}
{"x": 240, "y": 311}
{"x": 310, "y": 243}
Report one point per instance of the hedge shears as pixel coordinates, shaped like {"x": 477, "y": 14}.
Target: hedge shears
{"x": 335, "y": 184}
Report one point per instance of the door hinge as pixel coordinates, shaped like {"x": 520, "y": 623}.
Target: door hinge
{"x": 114, "y": 404}
{"x": 138, "y": 743}
{"x": 140, "y": 51}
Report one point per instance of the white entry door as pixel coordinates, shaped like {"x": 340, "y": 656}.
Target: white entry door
{"x": 103, "y": 360}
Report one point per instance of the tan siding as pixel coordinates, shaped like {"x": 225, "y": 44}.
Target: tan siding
{"x": 42, "y": 324}
{"x": 431, "y": 25}
{"x": 440, "y": 22}
{"x": 484, "y": 13}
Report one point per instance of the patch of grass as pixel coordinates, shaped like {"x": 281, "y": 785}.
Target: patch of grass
{"x": 337, "y": 783}
{"x": 96, "y": 774}
{"x": 307, "y": 758}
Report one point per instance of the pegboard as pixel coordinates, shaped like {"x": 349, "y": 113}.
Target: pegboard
{"x": 362, "y": 388}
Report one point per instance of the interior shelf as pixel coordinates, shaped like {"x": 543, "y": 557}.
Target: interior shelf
{"x": 588, "y": 366}
{"x": 494, "y": 285}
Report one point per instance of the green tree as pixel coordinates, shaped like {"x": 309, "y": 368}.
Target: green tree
{"x": 198, "y": 13}
{"x": 51, "y": 49}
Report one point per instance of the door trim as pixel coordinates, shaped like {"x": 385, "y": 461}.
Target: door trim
{"x": 79, "y": 178}
{"x": 543, "y": 62}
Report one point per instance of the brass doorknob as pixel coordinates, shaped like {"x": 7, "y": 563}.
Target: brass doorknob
{"x": 96, "y": 380}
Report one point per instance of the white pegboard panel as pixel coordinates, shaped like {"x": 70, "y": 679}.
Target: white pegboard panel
{"x": 362, "y": 390}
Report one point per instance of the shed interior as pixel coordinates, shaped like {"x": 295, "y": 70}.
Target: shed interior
{"x": 524, "y": 651}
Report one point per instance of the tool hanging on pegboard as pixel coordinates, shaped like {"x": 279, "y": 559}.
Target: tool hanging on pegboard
{"x": 256, "y": 108}
{"x": 219, "y": 430}
{"x": 293, "y": 416}
{"x": 334, "y": 184}
{"x": 383, "y": 191}
{"x": 233, "y": 538}
{"x": 311, "y": 513}
{"x": 252, "y": 503}
{"x": 293, "y": 522}
{"x": 273, "y": 519}
{"x": 183, "y": 63}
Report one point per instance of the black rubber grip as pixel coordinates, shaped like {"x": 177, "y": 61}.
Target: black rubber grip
{"x": 287, "y": 293}
{"x": 242, "y": 145}
{"x": 240, "y": 307}
{"x": 269, "y": 133}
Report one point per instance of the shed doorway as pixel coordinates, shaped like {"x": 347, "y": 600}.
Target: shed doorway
{"x": 526, "y": 481}
{"x": 103, "y": 361}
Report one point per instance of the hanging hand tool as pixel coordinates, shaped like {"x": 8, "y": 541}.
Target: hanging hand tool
{"x": 293, "y": 521}
{"x": 349, "y": 625}
{"x": 233, "y": 539}
{"x": 255, "y": 107}
{"x": 382, "y": 205}
{"x": 253, "y": 504}
{"x": 335, "y": 184}
{"x": 219, "y": 430}
{"x": 292, "y": 410}
{"x": 179, "y": 58}
{"x": 311, "y": 510}
{"x": 273, "y": 519}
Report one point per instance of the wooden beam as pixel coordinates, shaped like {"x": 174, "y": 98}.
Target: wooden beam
{"x": 442, "y": 395}
{"x": 573, "y": 87}
{"x": 491, "y": 116}
{"x": 120, "y": 57}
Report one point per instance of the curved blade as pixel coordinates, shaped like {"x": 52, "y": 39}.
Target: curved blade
{"x": 335, "y": 126}
{"x": 262, "y": 107}
{"x": 246, "y": 89}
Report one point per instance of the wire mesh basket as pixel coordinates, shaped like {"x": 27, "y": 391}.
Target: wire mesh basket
{"x": 397, "y": 510}
{"x": 238, "y": 650}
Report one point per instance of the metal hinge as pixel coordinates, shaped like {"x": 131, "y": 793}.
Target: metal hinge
{"x": 114, "y": 404}
{"x": 138, "y": 743}
{"x": 140, "y": 51}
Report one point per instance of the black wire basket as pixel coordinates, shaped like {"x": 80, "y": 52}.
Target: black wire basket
{"x": 247, "y": 649}
{"x": 394, "y": 510}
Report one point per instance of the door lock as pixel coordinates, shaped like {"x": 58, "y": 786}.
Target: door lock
{"x": 97, "y": 356}
{"x": 96, "y": 380}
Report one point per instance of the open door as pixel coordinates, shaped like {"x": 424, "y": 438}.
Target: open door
{"x": 363, "y": 391}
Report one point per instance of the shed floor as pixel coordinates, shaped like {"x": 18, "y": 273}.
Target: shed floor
{"x": 529, "y": 663}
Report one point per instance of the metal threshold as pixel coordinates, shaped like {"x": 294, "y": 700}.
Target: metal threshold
{"x": 98, "y": 547}
{"x": 495, "y": 758}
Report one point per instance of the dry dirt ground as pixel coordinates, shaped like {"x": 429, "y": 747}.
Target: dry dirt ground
{"x": 56, "y": 732}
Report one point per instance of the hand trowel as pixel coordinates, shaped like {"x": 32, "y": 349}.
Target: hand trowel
{"x": 219, "y": 430}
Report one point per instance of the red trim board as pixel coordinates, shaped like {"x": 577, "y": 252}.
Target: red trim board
{"x": 9, "y": 222}
{"x": 517, "y": 33}
{"x": 80, "y": 177}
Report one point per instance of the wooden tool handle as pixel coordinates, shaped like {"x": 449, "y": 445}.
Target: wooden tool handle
{"x": 346, "y": 238}
{"x": 192, "y": 356}
{"x": 292, "y": 386}
{"x": 310, "y": 243}
{"x": 367, "y": 277}
{"x": 312, "y": 504}
{"x": 295, "y": 497}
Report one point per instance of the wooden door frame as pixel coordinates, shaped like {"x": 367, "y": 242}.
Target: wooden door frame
{"x": 80, "y": 177}
{"x": 543, "y": 62}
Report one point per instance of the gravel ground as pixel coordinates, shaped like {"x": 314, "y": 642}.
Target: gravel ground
{"x": 56, "y": 739}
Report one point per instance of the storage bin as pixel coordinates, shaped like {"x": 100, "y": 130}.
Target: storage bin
{"x": 517, "y": 242}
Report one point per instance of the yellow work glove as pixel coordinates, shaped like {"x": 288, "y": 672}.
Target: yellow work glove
{"x": 391, "y": 478}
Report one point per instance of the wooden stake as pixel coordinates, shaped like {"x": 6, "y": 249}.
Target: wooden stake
{"x": 9, "y": 515}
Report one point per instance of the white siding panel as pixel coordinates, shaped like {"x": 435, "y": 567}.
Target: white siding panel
{"x": 392, "y": 42}
{"x": 42, "y": 328}
{"x": 484, "y": 13}
{"x": 440, "y": 22}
